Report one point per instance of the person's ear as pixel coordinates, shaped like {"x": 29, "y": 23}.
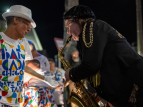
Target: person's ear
{"x": 15, "y": 20}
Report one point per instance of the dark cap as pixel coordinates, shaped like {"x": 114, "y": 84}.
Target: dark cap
{"x": 79, "y": 11}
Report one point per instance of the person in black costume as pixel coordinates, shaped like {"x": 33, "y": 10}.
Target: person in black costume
{"x": 103, "y": 48}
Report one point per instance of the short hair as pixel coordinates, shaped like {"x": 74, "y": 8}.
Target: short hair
{"x": 50, "y": 59}
{"x": 35, "y": 62}
{"x": 32, "y": 45}
{"x": 9, "y": 20}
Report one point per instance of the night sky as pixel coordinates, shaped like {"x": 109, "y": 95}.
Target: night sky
{"x": 120, "y": 14}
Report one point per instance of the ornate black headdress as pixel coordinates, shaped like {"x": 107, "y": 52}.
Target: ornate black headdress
{"x": 79, "y": 11}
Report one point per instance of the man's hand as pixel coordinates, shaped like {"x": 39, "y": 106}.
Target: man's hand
{"x": 67, "y": 78}
{"x": 58, "y": 87}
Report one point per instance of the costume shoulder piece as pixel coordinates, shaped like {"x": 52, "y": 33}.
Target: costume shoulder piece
{"x": 90, "y": 30}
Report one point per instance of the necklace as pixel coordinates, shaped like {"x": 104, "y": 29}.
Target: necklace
{"x": 88, "y": 45}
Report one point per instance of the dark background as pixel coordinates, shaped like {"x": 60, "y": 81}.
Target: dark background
{"x": 120, "y": 14}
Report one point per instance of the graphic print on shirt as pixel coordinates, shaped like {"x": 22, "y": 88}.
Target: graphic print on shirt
{"x": 39, "y": 97}
{"x": 58, "y": 76}
{"x": 12, "y": 65}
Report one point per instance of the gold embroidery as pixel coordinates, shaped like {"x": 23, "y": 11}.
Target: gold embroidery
{"x": 95, "y": 79}
{"x": 88, "y": 45}
{"x": 119, "y": 34}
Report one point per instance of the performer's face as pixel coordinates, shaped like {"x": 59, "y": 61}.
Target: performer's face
{"x": 52, "y": 65}
{"x": 73, "y": 28}
{"x": 22, "y": 26}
